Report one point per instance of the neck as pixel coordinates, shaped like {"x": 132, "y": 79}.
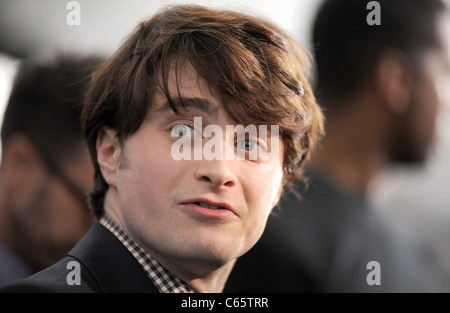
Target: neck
{"x": 203, "y": 277}
{"x": 353, "y": 152}
{"x": 202, "y": 274}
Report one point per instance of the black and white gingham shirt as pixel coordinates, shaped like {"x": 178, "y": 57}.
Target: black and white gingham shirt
{"x": 164, "y": 281}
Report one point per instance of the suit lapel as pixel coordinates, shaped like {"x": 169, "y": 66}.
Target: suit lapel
{"x": 110, "y": 263}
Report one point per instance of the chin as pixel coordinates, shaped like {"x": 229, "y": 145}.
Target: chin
{"x": 204, "y": 261}
{"x": 213, "y": 251}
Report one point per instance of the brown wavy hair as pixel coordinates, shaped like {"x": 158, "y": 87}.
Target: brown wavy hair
{"x": 256, "y": 63}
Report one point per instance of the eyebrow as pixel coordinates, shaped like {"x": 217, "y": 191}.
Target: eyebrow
{"x": 186, "y": 104}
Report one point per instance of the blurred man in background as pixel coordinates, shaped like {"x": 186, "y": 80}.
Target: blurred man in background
{"x": 381, "y": 87}
{"x": 46, "y": 170}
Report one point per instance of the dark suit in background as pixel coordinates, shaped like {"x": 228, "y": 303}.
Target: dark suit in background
{"x": 106, "y": 266}
{"x": 324, "y": 244}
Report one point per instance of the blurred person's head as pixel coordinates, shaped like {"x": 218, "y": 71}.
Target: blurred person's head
{"x": 185, "y": 62}
{"x": 45, "y": 171}
{"x": 392, "y": 73}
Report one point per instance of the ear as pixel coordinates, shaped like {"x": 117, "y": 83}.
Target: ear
{"x": 108, "y": 152}
{"x": 394, "y": 81}
{"x": 22, "y": 168}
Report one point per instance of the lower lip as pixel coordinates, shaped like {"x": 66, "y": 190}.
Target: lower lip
{"x": 202, "y": 212}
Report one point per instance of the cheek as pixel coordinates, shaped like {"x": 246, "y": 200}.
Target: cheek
{"x": 137, "y": 183}
{"x": 425, "y": 111}
{"x": 146, "y": 182}
{"x": 273, "y": 187}
{"x": 259, "y": 201}
{"x": 33, "y": 212}
{"x": 67, "y": 219}
{"x": 261, "y": 193}
{"x": 432, "y": 97}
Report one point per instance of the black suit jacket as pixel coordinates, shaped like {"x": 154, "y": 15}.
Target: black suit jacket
{"x": 105, "y": 263}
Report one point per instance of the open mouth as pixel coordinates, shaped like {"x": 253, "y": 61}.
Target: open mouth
{"x": 205, "y": 207}
{"x": 208, "y": 206}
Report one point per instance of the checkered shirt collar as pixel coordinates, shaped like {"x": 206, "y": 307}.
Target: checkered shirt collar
{"x": 164, "y": 281}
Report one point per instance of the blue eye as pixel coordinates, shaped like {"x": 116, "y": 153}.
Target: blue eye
{"x": 182, "y": 131}
{"x": 248, "y": 144}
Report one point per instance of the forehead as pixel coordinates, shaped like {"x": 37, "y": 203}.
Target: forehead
{"x": 186, "y": 90}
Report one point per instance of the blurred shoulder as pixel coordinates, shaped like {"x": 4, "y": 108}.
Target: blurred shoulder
{"x": 66, "y": 276}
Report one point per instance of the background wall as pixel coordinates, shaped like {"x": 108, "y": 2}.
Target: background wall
{"x": 417, "y": 200}
{"x": 39, "y": 26}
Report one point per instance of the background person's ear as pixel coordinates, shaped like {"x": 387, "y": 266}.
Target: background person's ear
{"x": 108, "y": 152}
{"x": 394, "y": 81}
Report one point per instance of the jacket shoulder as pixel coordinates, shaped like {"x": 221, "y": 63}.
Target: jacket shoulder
{"x": 66, "y": 276}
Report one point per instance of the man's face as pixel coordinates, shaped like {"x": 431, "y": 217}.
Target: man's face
{"x": 162, "y": 200}
{"x": 69, "y": 216}
{"x": 48, "y": 218}
{"x": 429, "y": 92}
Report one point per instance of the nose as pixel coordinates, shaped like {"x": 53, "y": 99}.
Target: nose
{"x": 218, "y": 173}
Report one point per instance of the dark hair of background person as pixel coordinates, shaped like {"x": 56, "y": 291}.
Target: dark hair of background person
{"x": 344, "y": 63}
{"x": 240, "y": 55}
{"x": 37, "y": 106}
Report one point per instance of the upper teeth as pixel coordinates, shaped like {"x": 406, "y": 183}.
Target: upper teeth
{"x": 205, "y": 205}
